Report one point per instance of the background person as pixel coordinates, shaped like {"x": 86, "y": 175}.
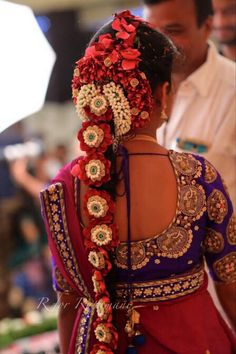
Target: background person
{"x": 203, "y": 116}
{"x": 224, "y": 26}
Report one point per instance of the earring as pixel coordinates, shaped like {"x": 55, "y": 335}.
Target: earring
{"x": 164, "y": 115}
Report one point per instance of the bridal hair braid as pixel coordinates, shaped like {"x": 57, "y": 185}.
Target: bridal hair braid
{"x": 112, "y": 88}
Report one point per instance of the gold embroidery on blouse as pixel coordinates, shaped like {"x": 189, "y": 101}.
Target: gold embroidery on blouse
{"x": 217, "y": 206}
{"x": 231, "y": 230}
{"x": 192, "y": 200}
{"x": 210, "y": 172}
{"x": 162, "y": 289}
{"x": 185, "y": 164}
{"x": 225, "y": 268}
{"x": 138, "y": 255}
{"x": 61, "y": 282}
{"x": 171, "y": 244}
{"x": 84, "y": 328}
{"x": 54, "y": 205}
{"x": 175, "y": 241}
{"x": 213, "y": 242}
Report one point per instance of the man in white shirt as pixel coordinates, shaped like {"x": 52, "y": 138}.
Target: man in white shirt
{"x": 203, "y": 118}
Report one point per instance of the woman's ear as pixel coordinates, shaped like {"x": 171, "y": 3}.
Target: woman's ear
{"x": 164, "y": 95}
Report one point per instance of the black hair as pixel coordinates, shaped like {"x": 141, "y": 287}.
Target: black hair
{"x": 157, "y": 52}
{"x": 204, "y": 8}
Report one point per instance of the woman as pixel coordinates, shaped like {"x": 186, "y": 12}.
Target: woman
{"x": 130, "y": 222}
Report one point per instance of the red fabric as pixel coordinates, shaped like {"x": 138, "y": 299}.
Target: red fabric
{"x": 191, "y": 325}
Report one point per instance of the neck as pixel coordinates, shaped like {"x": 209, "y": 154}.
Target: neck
{"x": 229, "y": 51}
{"x": 148, "y": 132}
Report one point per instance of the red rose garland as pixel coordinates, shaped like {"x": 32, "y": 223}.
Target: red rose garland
{"x": 107, "y": 85}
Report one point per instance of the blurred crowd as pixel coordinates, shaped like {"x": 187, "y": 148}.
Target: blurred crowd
{"x": 25, "y": 261}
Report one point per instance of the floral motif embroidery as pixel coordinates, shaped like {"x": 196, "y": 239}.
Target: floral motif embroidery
{"x": 171, "y": 244}
{"x": 84, "y": 328}
{"x": 231, "y": 230}
{"x": 213, "y": 242}
{"x": 210, "y": 172}
{"x": 61, "y": 283}
{"x": 165, "y": 289}
{"x": 225, "y": 268}
{"x": 217, "y": 206}
{"x": 53, "y": 202}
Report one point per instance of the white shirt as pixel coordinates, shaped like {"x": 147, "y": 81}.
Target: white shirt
{"x": 205, "y": 111}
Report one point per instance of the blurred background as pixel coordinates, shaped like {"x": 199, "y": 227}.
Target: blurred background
{"x": 31, "y": 152}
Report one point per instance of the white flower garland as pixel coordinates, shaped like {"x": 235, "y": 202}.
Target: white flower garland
{"x": 113, "y": 95}
{"x": 120, "y": 107}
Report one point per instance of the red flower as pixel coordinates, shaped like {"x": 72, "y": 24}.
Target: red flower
{"x": 107, "y": 116}
{"x": 124, "y": 29}
{"x": 102, "y": 347}
{"x": 100, "y": 250}
{"x": 109, "y": 204}
{"x": 113, "y": 331}
{"x": 99, "y": 285}
{"x": 93, "y": 169}
{"x": 105, "y": 309}
{"x": 87, "y": 232}
{"x": 106, "y": 140}
{"x": 106, "y": 40}
{"x": 131, "y": 59}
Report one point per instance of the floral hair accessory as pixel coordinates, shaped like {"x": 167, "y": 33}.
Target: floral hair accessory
{"x": 98, "y": 204}
{"x": 106, "y": 333}
{"x": 99, "y": 259}
{"x": 93, "y": 169}
{"x": 99, "y": 284}
{"x": 95, "y": 137}
{"x": 113, "y": 61}
{"x": 101, "y": 235}
{"x": 104, "y": 309}
{"x": 101, "y": 349}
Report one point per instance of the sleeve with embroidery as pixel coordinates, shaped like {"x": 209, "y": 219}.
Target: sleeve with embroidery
{"x": 58, "y": 281}
{"x": 220, "y": 238}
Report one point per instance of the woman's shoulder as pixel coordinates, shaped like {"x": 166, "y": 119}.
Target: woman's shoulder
{"x": 193, "y": 168}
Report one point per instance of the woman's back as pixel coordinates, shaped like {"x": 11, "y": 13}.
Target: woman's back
{"x": 153, "y": 191}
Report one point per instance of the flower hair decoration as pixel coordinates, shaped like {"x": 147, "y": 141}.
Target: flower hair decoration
{"x": 112, "y": 96}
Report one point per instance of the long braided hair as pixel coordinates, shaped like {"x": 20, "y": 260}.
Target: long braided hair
{"x": 112, "y": 88}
